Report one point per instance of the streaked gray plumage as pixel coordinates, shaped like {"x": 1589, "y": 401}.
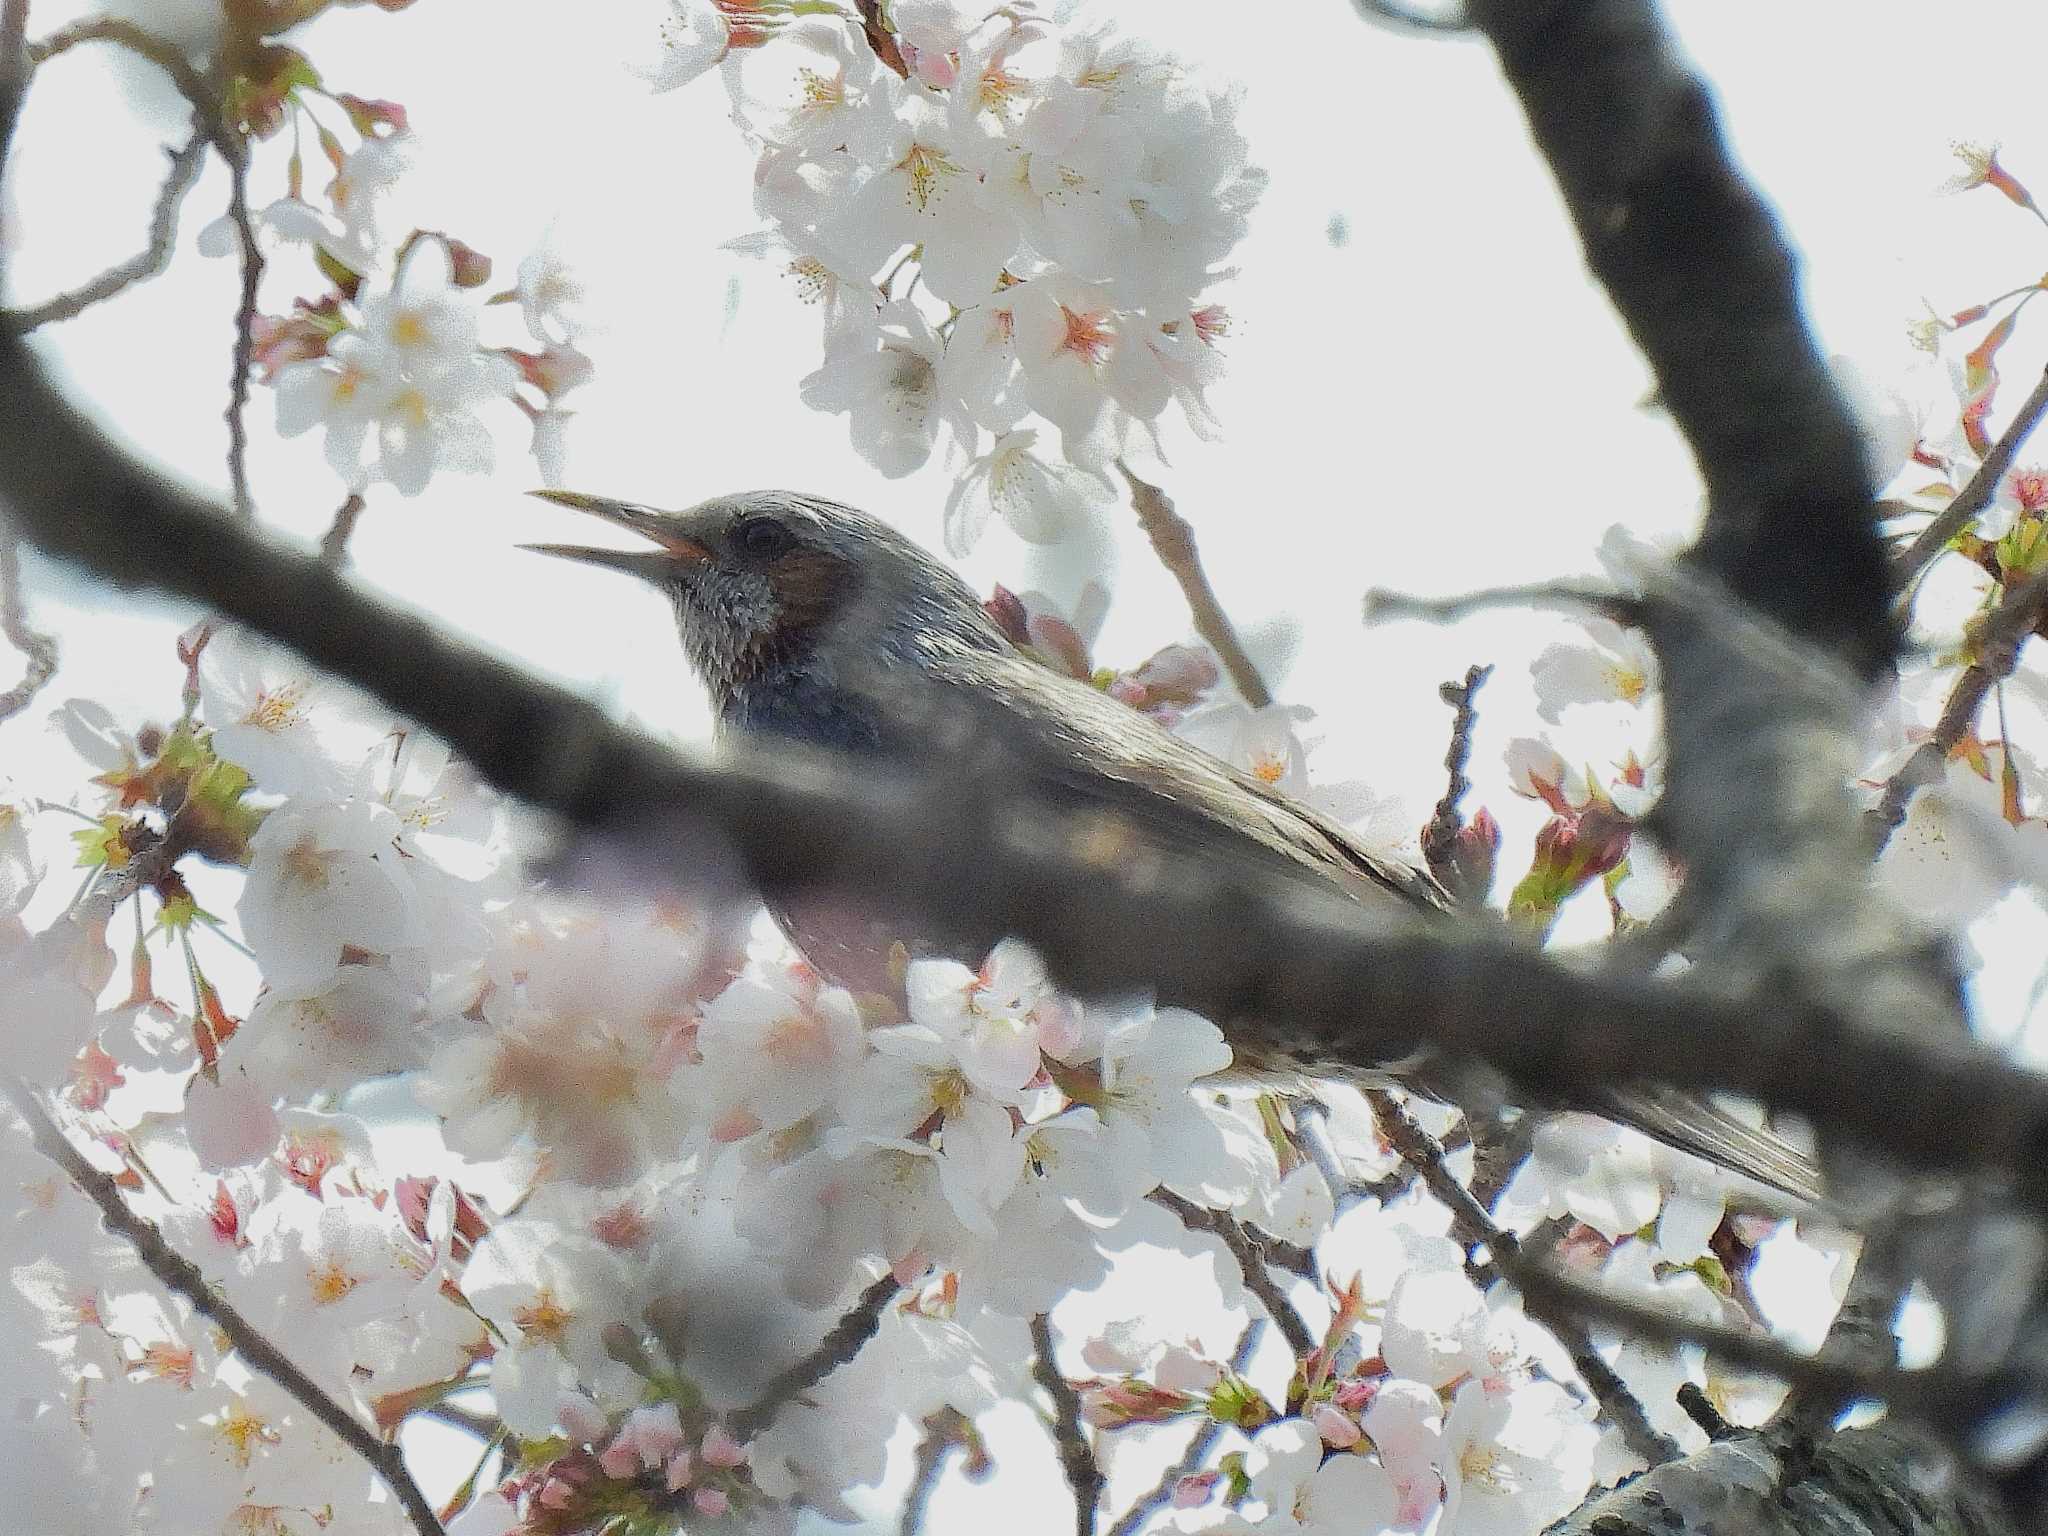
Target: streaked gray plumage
{"x": 812, "y": 620}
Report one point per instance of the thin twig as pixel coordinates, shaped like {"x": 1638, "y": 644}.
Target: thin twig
{"x": 1251, "y": 1259}
{"x": 245, "y": 331}
{"x": 1932, "y": 1388}
{"x": 179, "y": 1275}
{"x": 1999, "y": 640}
{"x": 38, "y": 650}
{"x": 1977, "y": 494}
{"x": 839, "y": 1346}
{"x": 1692, "y": 1397}
{"x": 1197, "y": 1449}
{"x": 1402, "y": 18}
{"x": 1174, "y": 542}
{"x": 945, "y": 1431}
{"x": 163, "y": 53}
{"x": 149, "y": 262}
{"x": 1475, "y": 1226}
{"x": 334, "y": 543}
{"x": 1069, "y": 1438}
{"x": 1312, "y": 1122}
{"x": 1440, "y": 837}
{"x": 1381, "y": 606}
{"x": 468, "y": 1420}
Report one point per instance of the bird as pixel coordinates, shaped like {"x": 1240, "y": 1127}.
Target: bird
{"x": 814, "y": 622}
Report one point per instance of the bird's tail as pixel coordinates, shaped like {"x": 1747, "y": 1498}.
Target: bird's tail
{"x": 1703, "y": 1129}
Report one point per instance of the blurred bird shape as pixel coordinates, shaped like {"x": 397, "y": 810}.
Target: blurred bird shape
{"x": 812, "y": 621}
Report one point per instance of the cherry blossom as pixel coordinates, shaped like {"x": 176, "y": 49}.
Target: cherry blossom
{"x": 325, "y": 880}
{"x": 1306, "y": 1494}
{"x": 1039, "y": 500}
{"x": 889, "y": 392}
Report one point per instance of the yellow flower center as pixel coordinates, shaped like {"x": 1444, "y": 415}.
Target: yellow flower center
{"x": 277, "y": 709}
{"x": 925, "y": 167}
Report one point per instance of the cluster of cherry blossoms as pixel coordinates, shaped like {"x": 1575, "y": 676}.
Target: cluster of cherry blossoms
{"x": 646, "y": 1107}
{"x": 389, "y": 359}
{"x": 1009, "y": 226}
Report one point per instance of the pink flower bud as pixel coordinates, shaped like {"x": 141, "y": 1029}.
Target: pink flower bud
{"x": 711, "y": 1502}
{"x": 721, "y": 1450}
{"x": 1337, "y": 1428}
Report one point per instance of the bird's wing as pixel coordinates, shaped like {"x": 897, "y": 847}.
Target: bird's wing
{"x": 1083, "y": 743}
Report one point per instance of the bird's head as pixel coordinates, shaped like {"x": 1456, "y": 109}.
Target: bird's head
{"x": 768, "y": 583}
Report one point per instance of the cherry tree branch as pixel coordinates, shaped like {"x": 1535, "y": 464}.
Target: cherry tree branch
{"x": 1251, "y": 1259}
{"x": 1440, "y": 837}
{"x": 1707, "y": 286}
{"x": 1935, "y": 1391}
{"x": 841, "y": 1343}
{"x": 945, "y": 1431}
{"x": 1200, "y": 1443}
{"x": 979, "y": 860}
{"x": 334, "y": 542}
{"x": 245, "y": 331}
{"x": 39, "y": 651}
{"x": 1476, "y": 1227}
{"x": 138, "y": 40}
{"x": 1173, "y": 540}
{"x": 1982, "y": 486}
{"x": 2000, "y": 638}
{"x": 1887, "y": 1479}
{"x": 179, "y": 1275}
{"x": 1406, "y": 18}
{"x": 1069, "y": 1437}
{"x": 147, "y": 263}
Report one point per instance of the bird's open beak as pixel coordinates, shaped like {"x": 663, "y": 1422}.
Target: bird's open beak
{"x": 675, "y": 547}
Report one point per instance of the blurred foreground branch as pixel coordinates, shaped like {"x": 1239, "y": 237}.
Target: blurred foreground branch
{"x": 979, "y": 860}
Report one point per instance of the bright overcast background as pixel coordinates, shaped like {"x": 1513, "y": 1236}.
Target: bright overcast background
{"x": 1425, "y": 390}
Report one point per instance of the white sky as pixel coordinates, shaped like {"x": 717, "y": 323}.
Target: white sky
{"x": 1443, "y": 401}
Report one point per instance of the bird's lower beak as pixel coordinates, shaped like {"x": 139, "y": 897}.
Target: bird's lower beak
{"x": 675, "y": 548}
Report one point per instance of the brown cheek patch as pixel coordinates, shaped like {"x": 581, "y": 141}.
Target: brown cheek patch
{"x": 812, "y": 587}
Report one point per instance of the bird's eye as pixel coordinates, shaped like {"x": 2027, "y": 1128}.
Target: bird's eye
{"x": 762, "y": 538}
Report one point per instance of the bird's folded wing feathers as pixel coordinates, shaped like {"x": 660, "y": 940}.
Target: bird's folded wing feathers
{"x": 1083, "y": 744}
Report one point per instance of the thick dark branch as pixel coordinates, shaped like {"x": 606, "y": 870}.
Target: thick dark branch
{"x": 1975, "y": 496}
{"x": 1069, "y": 1434}
{"x": 1476, "y": 1227}
{"x": 1174, "y": 542}
{"x": 840, "y": 1344}
{"x": 149, "y": 262}
{"x": 977, "y": 861}
{"x": 1889, "y": 1479}
{"x": 180, "y": 1275}
{"x": 1695, "y": 263}
{"x": 39, "y": 651}
{"x": 1251, "y": 1259}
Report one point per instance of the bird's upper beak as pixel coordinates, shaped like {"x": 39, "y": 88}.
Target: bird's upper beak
{"x": 676, "y": 547}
